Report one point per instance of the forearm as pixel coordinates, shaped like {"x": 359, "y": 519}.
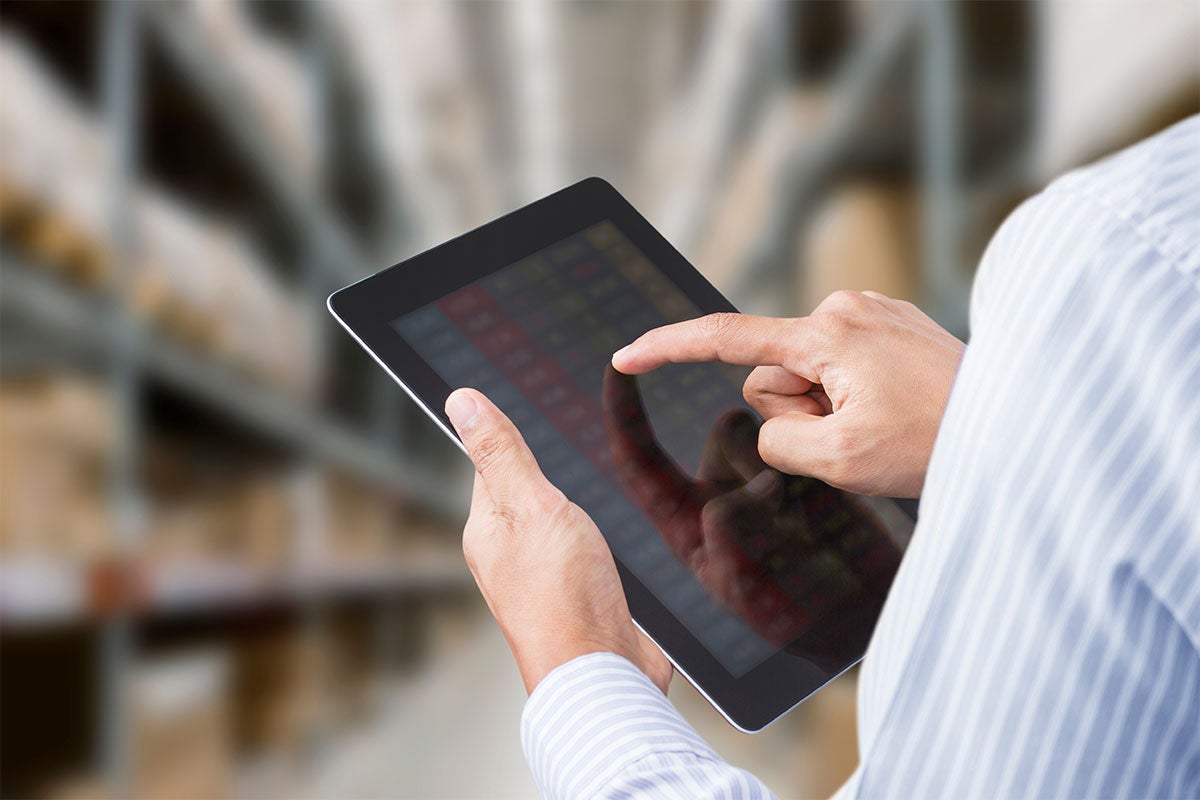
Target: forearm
{"x": 598, "y": 727}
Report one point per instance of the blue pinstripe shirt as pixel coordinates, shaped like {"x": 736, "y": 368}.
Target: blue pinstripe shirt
{"x": 1042, "y": 637}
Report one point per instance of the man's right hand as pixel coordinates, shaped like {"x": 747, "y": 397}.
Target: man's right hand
{"x": 852, "y": 395}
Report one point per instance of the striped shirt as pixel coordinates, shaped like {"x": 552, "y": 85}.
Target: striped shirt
{"x": 1042, "y": 637}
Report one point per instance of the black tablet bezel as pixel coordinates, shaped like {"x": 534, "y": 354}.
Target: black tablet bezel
{"x": 367, "y": 308}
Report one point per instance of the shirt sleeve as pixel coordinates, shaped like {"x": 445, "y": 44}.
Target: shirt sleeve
{"x": 596, "y": 727}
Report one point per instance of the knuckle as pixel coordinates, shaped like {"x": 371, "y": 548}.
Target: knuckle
{"x": 835, "y": 324}
{"x": 753, "y": 387}
{"x": 842, "y": 441}
{"x": 717, "y": 327}
{"x": 507, "y": 516}
{"x": 541, "y": 503}
{"x": 769, "y": 443}
{"x": 490, "y": 451}
{"x": 845, "y": 307}
{"x": 852, "y": 311}
{"x": 471, "y": 546}
{"x": 468, "y": 548}
{"x": 560, "y": 512}
{"x": 846, "y": 299}
{"x": 836, "y": 473}
{"x": 843, "y": 447}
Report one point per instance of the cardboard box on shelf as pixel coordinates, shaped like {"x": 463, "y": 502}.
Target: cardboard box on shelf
{"x": 352, "y": 666}
{"x": 360, "y": 519}
{"x": 276, "y": 691}
{"x": 270, "y": 78}
{"x": 266, "y": 517}
{"x": 62, "y": 409}
{"x": 863, "y": 236}
{"x": 56, "y": 434}
{"x": 51, "y": 168}
{"x": 260, "y": 325}
{"x": 176, "y": 281}
{"x": 182, "y": 727}
{"x": 71, "y": 229}
{"x": 201, "y": 508}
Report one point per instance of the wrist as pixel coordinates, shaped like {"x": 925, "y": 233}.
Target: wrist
{"x": 537, "y": 660}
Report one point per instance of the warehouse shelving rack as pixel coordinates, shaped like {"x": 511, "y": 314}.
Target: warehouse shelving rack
{"x": 104, "y": 327}
{"x": 72, "y": 315}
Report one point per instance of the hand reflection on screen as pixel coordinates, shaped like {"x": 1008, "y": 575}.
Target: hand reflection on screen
{"x": 806, "y": 566}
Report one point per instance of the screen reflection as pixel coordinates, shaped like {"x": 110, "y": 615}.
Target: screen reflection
{"x": 806, "y": 566}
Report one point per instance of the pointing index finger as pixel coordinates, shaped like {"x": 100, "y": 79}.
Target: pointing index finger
{"x": 728, "y": 337}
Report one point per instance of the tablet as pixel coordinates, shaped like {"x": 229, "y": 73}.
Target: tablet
{"x": 759, "y": 587}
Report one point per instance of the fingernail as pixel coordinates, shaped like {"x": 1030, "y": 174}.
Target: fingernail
{"x": 624, "y": 351}
{"x": 461, "y": 409}
{"x": 763, "y": 482}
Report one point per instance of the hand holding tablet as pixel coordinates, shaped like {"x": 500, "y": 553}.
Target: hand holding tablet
{"x": 542, "y": 565}
{"x": 758, "y": 601}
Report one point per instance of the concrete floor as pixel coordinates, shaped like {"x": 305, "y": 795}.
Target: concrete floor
{"x": 453, "y": 732}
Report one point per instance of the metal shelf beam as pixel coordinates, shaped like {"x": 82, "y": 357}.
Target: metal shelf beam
{"x": 38, "y": 593}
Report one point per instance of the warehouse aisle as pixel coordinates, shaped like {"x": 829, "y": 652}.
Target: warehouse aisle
{"x": 451, "y": 732}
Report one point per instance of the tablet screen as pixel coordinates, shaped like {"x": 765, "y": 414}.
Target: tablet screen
{"x": 749, "y": 560}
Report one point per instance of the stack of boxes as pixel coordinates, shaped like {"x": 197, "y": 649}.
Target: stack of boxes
{"x": 199, "y": 281}
{"x": 277, "y": 86}
{"x": 56, "y": 435}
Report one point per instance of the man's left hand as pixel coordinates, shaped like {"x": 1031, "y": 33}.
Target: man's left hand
{"x": 541, "y": 563}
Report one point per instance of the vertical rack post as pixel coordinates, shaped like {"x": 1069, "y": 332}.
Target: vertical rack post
{"x": 314, "y": 523}
{"x": 119, "y": 56}
{"x": 940, "y": 138}
{"x": 389, "y": 419}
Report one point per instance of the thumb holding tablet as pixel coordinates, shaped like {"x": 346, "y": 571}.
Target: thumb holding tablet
{"x": 541, "y": 564}
{"x": 497, "y": 449}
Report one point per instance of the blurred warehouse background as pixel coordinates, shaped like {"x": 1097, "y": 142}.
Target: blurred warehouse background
{"x": 229, "y": 547}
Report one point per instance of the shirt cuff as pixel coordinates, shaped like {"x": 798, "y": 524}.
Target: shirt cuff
{"x": 590, "y": 719}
